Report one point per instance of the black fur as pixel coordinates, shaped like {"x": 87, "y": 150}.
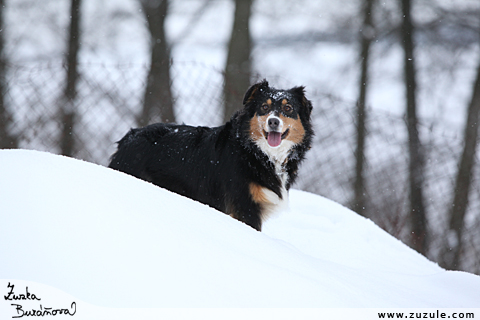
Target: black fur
{"x": 216, "y": 166}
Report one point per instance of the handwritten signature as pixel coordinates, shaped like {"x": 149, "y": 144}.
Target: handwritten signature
{"x": 41, "y": 311}
{"x": 12, "y": 296}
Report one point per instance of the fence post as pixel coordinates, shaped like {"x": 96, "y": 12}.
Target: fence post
{"x": 450, "y": 258}
{"x": 237, "y": 68}
{"x": 367, "y": 34}
{"x": 68, "y": 112}
{"x": 158, "y": 100}
{"x": 7, "y": 140}
{"x": 416, "y": 165}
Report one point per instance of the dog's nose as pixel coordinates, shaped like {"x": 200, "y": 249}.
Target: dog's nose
{"x": 273, "y": 123}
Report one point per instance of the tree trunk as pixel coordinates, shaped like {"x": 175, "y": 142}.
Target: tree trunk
{"x": 367, "y": 34}
{"x": 416, "y": 166}
{"x": 68, "y": 112}
{"x": 238, "y": 65}
{"x": 452, "y": 251}
{"x": 158, "y": 100}
{"x": 7, "y": 140}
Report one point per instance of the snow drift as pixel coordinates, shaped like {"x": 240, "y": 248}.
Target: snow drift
{"x": 112, "y": 240}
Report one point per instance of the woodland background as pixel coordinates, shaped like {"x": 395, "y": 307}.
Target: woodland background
{"x": 395, "y": 86}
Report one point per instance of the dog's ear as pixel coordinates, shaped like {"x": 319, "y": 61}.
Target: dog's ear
{"x": 253, "y": 91}
{"x": 299, "y": 92}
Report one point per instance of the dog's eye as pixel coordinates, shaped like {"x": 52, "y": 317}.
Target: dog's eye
{"x": 265, "y": 107}
{"x": 287, "y": 108}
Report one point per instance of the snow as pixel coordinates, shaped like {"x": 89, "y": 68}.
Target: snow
{"x": 110, "y": 240}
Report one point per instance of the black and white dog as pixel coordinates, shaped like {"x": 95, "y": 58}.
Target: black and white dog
{"x": 243, "y": 168}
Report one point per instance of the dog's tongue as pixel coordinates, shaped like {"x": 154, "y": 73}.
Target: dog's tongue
{"x": 274, "y": 139}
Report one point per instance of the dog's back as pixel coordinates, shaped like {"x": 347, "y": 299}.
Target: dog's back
{"x": 180, "y": 158}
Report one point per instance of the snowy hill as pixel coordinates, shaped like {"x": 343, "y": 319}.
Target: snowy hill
{"x": 111, "y": 240}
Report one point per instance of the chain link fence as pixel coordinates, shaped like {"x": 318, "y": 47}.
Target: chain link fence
{"x": 110, "y": 97}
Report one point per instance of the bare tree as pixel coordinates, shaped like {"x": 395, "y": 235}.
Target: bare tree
{"x": 238, "y": 66}
{"x": 366, "y": 35}
{"x": 416, "y": 165}
{"x": 7, "y": 140}
{"x": 454, "y": 241}
{"x": 68, "y": 113}
{"x": 158, "y": 100}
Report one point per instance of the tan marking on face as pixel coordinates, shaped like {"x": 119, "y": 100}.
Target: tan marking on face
{"x": 269, "y": 101}
{"x": 296, "y": 129}
{"x": 257, "y": 125}
{"x": 284, "y": 102}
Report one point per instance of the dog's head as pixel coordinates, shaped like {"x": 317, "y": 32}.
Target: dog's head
{"x": 277, "y": 119}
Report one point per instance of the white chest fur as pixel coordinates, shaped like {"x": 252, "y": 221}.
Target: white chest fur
{"x": 269, "y": 201}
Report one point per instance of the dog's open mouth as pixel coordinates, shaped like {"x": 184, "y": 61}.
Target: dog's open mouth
{"x": 275, "y": 138}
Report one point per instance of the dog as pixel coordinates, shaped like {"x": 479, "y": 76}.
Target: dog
{"x": 243, "y": 168}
